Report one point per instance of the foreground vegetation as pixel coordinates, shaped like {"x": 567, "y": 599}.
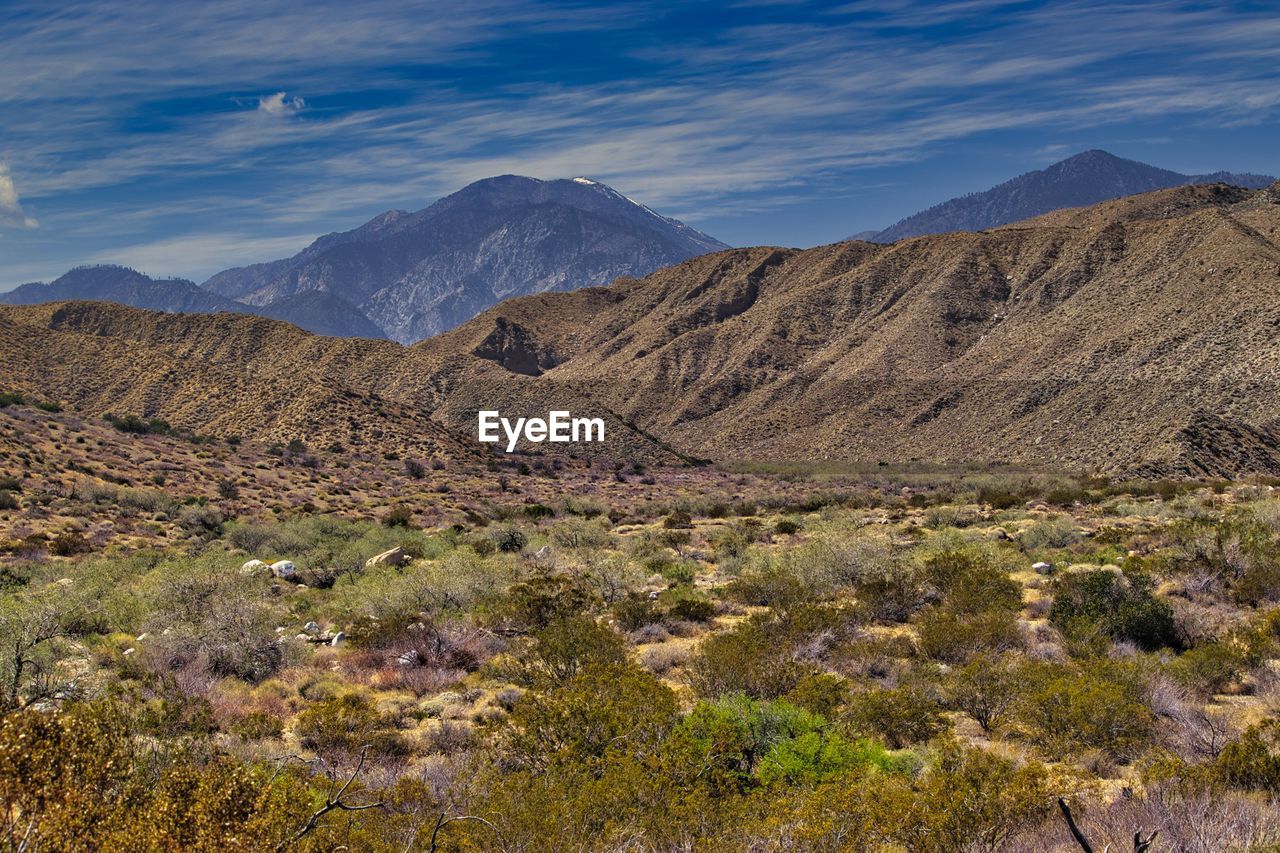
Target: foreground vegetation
{"x": 918, "y": 660}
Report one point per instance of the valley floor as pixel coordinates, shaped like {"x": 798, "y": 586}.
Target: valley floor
{"x": 232, "y": 646}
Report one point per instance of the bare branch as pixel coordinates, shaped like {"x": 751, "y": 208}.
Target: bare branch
{"x": 333, "y": 802}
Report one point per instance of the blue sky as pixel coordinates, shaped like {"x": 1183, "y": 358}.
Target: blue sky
{"x": 184, "y": 137}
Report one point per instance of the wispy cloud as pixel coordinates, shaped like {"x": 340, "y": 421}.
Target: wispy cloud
{"x": 11, "y": 212}
{"x": 699, "y": 118}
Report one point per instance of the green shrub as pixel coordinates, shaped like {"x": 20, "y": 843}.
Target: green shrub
{"x": 1210, "y": 668}
{"x": 1253, "y": 760}
{"x": 786, "y": 527}
{"x": 692, "y": 609}
{"x": 752, "y": 659}
{"x": 635, "y": 611}
{"x": 987, "y": 689}
{"x": 545, "y": 599}
{"x": 566, "y": 647}
{"x": 347, "y": 724}
{"x": 1056, "y": 532}
{"x": 1115, "y": 604}
{"x": 1067, "y": 713}
{"x": 901, "y": 715}
{"x": 510, "y": 540}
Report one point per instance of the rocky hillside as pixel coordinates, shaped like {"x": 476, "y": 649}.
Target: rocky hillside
{"x": 1135, "y": 335}
{"x": 321, "y": 313}
{"x": 418, "y": 274}
{"x": 1084, "y": 179}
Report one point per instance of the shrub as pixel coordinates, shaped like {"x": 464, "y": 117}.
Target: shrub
{"x": 786, "y": 527}
{"x": 1253, "y": 760}
{"x": 604, "y": 711}
{"x": 545, "y": 599}
{"x": 565, "y": 647}
{"x": 399, "y": 516}
{"x": 635, "y": 611}
{"x": 347, "y": 724}
{"x": 1210, "y": 668}
{"x": 1056, "y": 532}
{"x": 205, "y": 521}
{"x": 987, "y": 689}
{"x": 1115, "y": 604}
{"x": 750, "y": 659}
{"x": 820, "y": 692}
{"x": 953, "y": 638}
{"x": 901, "y": 715}
{"x": 678, "y": 520}
{"x": 510, "y": 540}
{"x": 692, "y": 609}
{"x": 69, "y": 543}
{"x": 1067, "y": 713}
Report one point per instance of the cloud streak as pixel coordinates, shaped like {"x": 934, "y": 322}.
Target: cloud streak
{"x": 699, "y": 118}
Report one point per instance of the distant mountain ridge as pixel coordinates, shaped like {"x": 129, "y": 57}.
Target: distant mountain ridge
{"x": 1086, "y": 178}
{"x": 319, "y": 313}
{"x": 419, "y": 274}
{"x": 1134, "y": 337}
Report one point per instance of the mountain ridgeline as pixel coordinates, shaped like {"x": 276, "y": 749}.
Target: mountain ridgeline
{"x": 1086, "y": 178}
{"x": 1134, "y": 336}
{"x": 419, "y": 274}
{"x": 320, "y": 313}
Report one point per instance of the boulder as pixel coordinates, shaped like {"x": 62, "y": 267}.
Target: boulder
{"x": 284, "y": 569}
{"x": 338, "y": 639}
{"x": 253, "y": 567}
{"x": 1042, "y": 568}
{"x": 311, "y": 628}
{"x": 394, "y": 557}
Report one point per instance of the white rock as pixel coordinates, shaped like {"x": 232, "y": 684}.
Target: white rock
{"x": 128, "y": 652}
{"x": 394, "y": 557}
{"x": 253, "y": 567}
{"x": 141, "y": 637}
{"x": 311, "y": 628}
{"x": 1041, "y": 568}
{"x": 338, "y": 639}
{"x": 284, "y": 569}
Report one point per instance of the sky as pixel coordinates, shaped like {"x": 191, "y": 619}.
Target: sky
{"x": 182, "y": 137}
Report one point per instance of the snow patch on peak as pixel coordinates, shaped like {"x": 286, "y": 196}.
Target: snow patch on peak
{"x": 585, "y": 181}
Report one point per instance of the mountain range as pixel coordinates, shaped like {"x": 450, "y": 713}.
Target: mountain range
{"x": 319, "y": 312}
{"x": 418, "y": 274}
{"x": 1086, "y": 178}
{"x": 1133, "y": 336}
{"x": 408, "y": 276}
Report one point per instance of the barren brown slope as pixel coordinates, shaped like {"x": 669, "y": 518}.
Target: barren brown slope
{"x": 1136, "y": 334}
{"x": 232, "y": 374}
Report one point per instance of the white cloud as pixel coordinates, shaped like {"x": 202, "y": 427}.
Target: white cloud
{"x": 280, "y": 103}
{"x": 11, "y": 213}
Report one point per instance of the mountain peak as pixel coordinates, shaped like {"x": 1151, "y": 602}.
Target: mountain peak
{"x": 1082, "y": 179}
{"x": 418, "y": 274}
